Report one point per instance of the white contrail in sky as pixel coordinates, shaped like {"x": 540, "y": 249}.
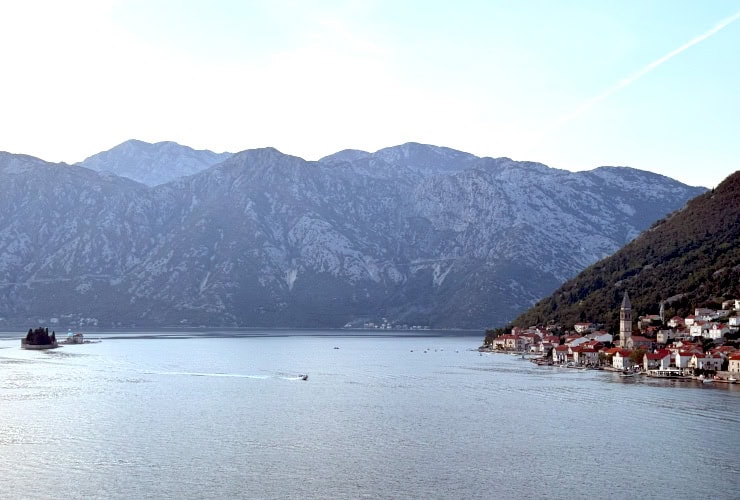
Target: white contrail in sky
{"x": 644, "y": 71}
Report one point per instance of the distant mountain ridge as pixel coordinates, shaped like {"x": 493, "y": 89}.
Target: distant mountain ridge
{"x": 152, "y": 164}
{"x": 689, "y": 259}
{"x": 414, "y": 234}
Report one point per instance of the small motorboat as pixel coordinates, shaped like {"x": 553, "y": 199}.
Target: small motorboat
{"x": 304, "y": 377}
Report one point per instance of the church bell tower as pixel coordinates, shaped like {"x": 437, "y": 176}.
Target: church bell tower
{"x": 625, "y": 322}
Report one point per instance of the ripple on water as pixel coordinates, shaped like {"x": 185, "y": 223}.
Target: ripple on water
{"x": 184, "y": 418}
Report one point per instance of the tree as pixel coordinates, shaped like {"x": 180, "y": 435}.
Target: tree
{"x": 602, "y": 358}
{"x": 637, "y": 355}
{"x": 493, "y": 334}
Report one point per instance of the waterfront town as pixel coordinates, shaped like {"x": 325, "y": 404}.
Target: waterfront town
{"x": 701, "y": 346}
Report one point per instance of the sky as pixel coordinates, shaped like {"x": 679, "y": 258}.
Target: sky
{"x": 573, "y": 84}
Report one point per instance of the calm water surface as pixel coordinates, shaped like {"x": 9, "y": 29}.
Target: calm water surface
{"x": 389, "y": 416}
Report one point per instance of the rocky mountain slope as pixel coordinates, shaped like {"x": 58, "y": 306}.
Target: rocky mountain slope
{"x": 687, "y": 260}
{"x": 416, "y": 234}
{"x": 152, "y": 164}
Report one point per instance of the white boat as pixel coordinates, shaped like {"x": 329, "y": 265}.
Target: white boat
{"x": 732, "y": 380}
{"x": 671, "y": 373}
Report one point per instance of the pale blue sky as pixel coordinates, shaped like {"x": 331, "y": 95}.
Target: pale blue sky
{"x": 573, "y": 84}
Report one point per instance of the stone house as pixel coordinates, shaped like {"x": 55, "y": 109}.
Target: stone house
{"x": 706, "y": 362}
{"x": 583, "y": 355}
{"x": 638, "y": 342}
{"x": 734, "y": 366}
{"x": 560, "y": 354}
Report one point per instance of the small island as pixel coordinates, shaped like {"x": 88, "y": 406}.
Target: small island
{"x": 39, "y": 339}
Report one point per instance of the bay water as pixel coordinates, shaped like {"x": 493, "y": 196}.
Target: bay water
{"x": 225, "y": 414}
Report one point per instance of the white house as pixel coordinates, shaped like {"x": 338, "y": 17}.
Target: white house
{"x": 705, "y": 362}
{"x": 578, "y": 341}
{"x": 683, "y": 358}
{"x": 560, "y": 354}
{"x": 675, "y": 321}
{"x": 665, "y": 336}
{"x": 602, "y": 337}
{"x": 621, "y": 360}
{"x": 717, "y": 331}
{"x": 660, "y": 360}
{"x": 734, "y": 321}
{"x": 702, "y": 313}
{"x": 582, "y": 327}
{"x": 698, "y": 328}
{"x": 542, "y": 347}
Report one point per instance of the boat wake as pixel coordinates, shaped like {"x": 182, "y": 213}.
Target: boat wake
{"x": 226, "y": 375}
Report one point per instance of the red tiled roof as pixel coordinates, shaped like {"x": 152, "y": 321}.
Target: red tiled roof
{"x": 655, "y": 355}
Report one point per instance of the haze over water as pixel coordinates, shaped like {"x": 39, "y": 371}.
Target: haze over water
{"x": 178, "y": 415}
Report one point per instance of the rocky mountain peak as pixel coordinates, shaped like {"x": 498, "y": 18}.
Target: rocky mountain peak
{"x": 346, "y": 155}
{"x": 153, "y": 164}
{"x": 426, "y": 159}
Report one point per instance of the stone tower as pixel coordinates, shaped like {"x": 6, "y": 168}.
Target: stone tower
{"x": 625, "y": 322}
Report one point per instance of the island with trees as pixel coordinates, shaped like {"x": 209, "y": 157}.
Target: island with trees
{"x": 39, "y": 339}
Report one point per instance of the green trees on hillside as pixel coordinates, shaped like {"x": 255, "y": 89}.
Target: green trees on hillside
{"x": 689, "y": 259}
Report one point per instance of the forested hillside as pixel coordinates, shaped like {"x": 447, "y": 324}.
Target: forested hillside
{"x": 688, "y": 259}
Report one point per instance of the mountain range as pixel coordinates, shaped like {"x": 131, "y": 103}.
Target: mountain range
{"x": 411, "y": 234}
